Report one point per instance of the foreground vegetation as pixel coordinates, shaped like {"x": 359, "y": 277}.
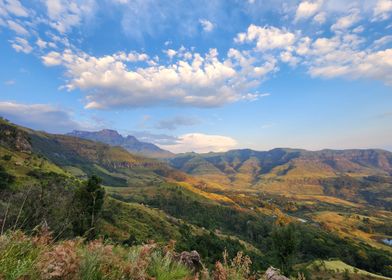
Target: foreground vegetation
{"x": 38, "y": 257}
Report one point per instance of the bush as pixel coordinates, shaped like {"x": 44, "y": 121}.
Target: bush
{"x": 5, "y": 179}
{"x": 163, "y": 267}
{"x": 18, "y": 257}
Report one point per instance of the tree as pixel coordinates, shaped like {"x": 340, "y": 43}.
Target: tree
{"x": 89, "y": 202}
{"x": 5, "y": 178}
{"x": 285, "y": 244}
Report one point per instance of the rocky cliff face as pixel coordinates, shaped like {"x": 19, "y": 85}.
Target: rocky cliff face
{"x": 13, "y": 138}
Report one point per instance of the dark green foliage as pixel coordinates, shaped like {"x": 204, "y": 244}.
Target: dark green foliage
{"x": 210, "y": 246}
{"x": 312, "y": 242}
{"x": 6, "y": 179}
{"x": 89, "y": 201}
{"x": 7, "y": 157}
{"x": 197, "y": 210}
{"x": 285, "y": 246}
{"x": 48, "y": 203}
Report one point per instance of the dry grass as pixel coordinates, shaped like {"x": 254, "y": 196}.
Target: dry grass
{"x": 33, "y": 258}
{"x": 326, "y": 199}
{"x": 338, "y": 268}
{"x": 347, "y": 225}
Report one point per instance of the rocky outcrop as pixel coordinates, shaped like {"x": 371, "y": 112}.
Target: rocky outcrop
{"x": 191, "y": 259}
{"x": 274, "y": 274}
{"x": 13, "y": 138}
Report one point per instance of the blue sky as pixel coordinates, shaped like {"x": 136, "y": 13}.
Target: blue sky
{"x": 195, "y": 75}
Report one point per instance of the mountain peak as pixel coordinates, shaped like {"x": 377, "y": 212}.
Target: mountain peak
{"x": 109, "y": 132}
{"x": 130, "y": 143}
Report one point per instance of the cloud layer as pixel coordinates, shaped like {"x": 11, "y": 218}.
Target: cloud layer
{"x": 39, "y": 116}
{"x": 174, "y": 123}
{"x": 186, "y": 77}
{"x": 201, "y": 143}
{"x": 114, "y": 81}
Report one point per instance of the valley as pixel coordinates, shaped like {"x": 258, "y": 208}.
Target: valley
{"x": 338, "y": 202}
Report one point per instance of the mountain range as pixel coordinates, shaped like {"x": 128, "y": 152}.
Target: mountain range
{"x": 340, "y": 201}
{"x": 130, "y": 143}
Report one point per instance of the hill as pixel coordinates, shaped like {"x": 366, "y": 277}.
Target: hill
{"x": 146, "y": 199}
{"x": 347, "y": 174}
{"x": 130, "y": 143}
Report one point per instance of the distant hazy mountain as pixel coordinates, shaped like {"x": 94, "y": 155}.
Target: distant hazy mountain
{"x": 130, "y": 143}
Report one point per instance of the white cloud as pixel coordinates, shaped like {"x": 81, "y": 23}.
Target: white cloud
{"x": 382, "y": 10}
{"x": 19, "y": 29}
{"x": 201, "y": 143}
{"x": 171, "y": 53}
{"x": 52, "y": 59}
{"x": 347, "y": 21}
{"x": 320, "y": 17}
{"x": 207, "y": 25}
{"x": 21, "y": 45}
{"x": 13, "y": 7}
{"x": 195, "y": 80}
{"x": 345, "y": 54}
{"x": 41, "y": 43}
{"x": 359, "y": 29}
{"x": 341, "y": 56}
{"x": 288, "y": 57}
{"x": 66, "y": 14}
{"x": 382, "y": 41}
{"x": 39, "y": 116}
{"x": 267, "y": 37}
{"x": 307, "y": 9}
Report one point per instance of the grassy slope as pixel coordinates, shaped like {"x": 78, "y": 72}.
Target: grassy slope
{"x": 123, "y": 222}
{"x": 145, "y": 184}
{"x": 338, "y": 267}
{"x": 304, "y": 184}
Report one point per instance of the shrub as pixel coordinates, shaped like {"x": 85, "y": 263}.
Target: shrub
{"x": 163, "y": 267}
{"x": 18, "y": 257}
{"x": 62, "y": 262}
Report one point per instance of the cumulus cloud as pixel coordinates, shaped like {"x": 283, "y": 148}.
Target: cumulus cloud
{"x": 307, "y": 9}
{"x": 170, "y": 53}
{"x": 341, "y": 55}
{"x": 320, "y": 17}
{"x": 39, "y": 116}
{"x": 382, "y": 10}
{"x": 21, "y": 45}
{"x": 191, "y": 80}
{"x": 66, "y": 14}
{"x": 267, "y": 37}
{"x": 13, "y": 7}
{"x": 41, "y": 43}
{"x": 207, "y": 25}
{"x": 347, "y": 21}
{"x": 379, "y": 43}
{"x": 201, "y": 143}
{"x": 344, "y": 54}
{"x": 19, "y": 29}
{"x": 174, "y": 123}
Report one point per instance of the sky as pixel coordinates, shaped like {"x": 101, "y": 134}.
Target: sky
{"x": 202, "y": 75}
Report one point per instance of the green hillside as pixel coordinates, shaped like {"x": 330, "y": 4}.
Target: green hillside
{"x": 48, "y": 182}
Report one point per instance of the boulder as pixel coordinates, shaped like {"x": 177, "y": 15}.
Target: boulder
{"x": 191, "y": 259}
{"x": 273, "y": 273}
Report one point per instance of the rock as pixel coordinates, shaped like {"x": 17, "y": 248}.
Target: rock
{"x": 14, "y": 138}
{"x": 274, "y": 274}
{"x": 191, "y": 259}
